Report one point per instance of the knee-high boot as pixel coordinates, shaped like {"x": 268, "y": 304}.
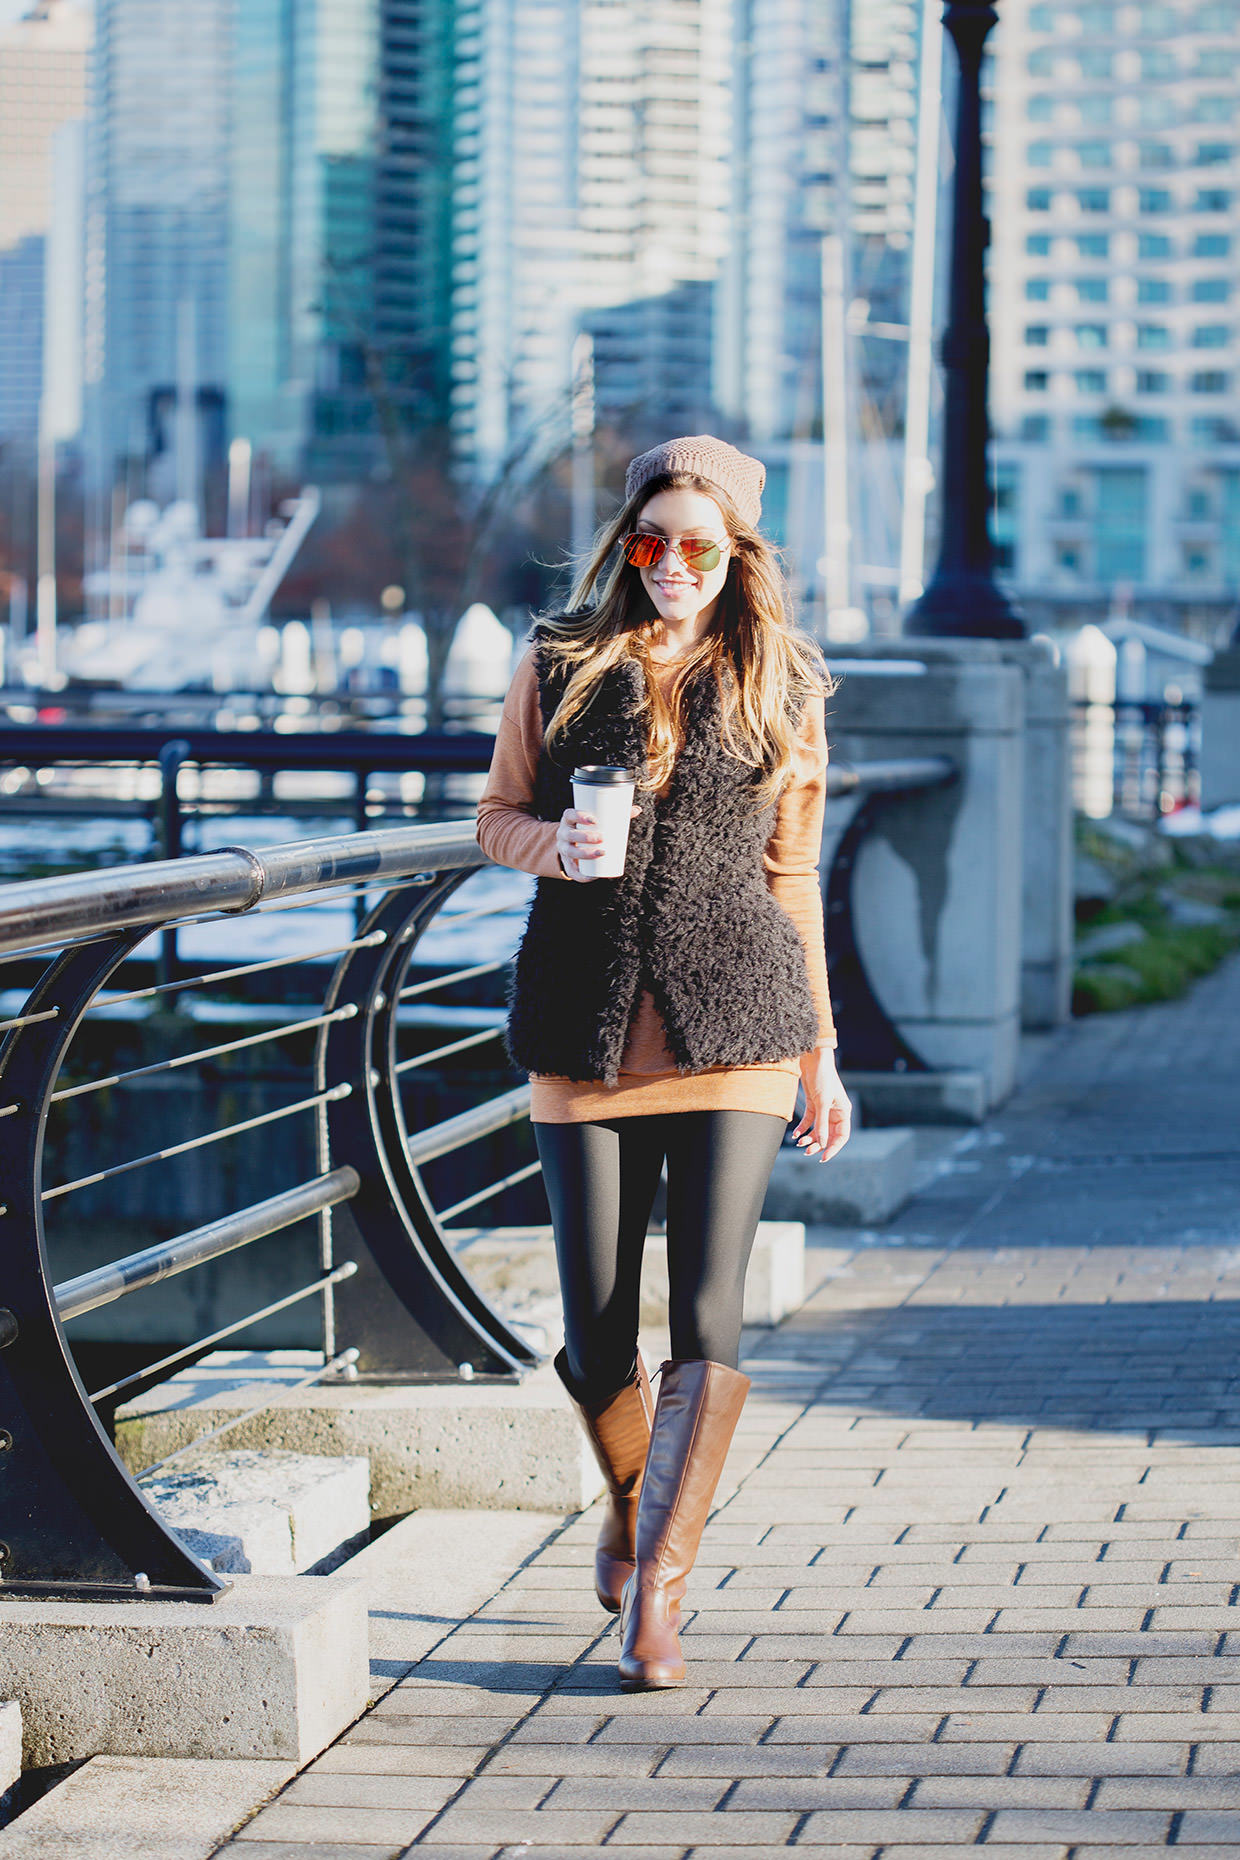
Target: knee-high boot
{"x": 618, "y": 1429}
{"x": 698, "y": 1408}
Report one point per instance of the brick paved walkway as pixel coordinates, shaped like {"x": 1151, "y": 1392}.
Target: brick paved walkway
{"x": 973, "y": 1578}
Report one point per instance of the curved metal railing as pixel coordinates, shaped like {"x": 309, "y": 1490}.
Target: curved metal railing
{"x": 83, "y": 948}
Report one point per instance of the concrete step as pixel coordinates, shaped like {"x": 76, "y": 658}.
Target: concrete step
{"x": 143, "y": 1808}
{"x": 483, "y": 1446}
{"x": 868, "y": 1182}
{"x": 266, "y": 1514}
{"x": 276, "y": 1668}
{"x": 918, "y": 1097}
{"x": 515, "y": 1267}
{"x": 10, "y": 1744}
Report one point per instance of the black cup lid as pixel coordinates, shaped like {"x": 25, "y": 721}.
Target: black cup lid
{"x": 598, "y": 775}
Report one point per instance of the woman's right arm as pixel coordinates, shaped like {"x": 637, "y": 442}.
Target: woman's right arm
{"x": 509, "y": 831}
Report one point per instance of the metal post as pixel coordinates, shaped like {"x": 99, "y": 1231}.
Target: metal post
{"x": 963, "y": 600}
{"x": 171, "y": 756}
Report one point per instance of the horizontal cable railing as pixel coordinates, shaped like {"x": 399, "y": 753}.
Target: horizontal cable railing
{"x": 316, "y": 1063}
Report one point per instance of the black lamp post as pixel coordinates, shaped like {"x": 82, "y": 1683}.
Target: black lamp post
{"x": 962, "y": 600}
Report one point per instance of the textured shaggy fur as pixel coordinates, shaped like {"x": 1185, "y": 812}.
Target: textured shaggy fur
{"x": 692, "y": 919}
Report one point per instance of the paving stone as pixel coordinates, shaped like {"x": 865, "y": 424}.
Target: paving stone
{"x": 727, "y": 1828}
{"x": 505, "y": 1825}
{"x": 902, "y": 1827}
{"x": 370, "y": 1826}
{"x": 1119, "y": 1827}
{"x": 325, "y": 1789}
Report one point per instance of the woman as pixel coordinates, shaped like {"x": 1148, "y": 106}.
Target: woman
{"x": 667, "y": 1016}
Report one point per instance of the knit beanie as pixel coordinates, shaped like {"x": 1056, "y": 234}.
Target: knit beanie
{"x": 704, "y": 457}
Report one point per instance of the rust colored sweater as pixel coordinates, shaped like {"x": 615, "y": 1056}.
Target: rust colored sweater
{"x": 511, "y": 834}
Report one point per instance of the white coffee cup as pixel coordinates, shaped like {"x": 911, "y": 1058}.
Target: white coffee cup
{"x": 607, "y": 794}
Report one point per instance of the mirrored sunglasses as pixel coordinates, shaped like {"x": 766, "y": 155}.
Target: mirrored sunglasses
{"x": 643, "y": 550}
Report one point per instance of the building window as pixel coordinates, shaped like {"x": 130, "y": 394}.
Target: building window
{"x": 1094, "y": 64}
{"x": 1119, "y": 524}
{"x": 1211, "y": 336}
{"x": 1153, "y": 291}
{"x": 1211, "y": 290}
{"x": 1070, "y": 503}
{"x": 1153, "y": 200}
{"x": 1209, "y": 430}
{"x": 1152, "y": 381}
{"x": 1040, "y": 154}
{"x": 1094, "y": 200}
{"x": 1155, "y": 155}
{"x": 1158, "y": 22}
{"x": 1038, "y": 290}
{"x": 1041, "y": 64}
{"x": 1214, "y": 154}
{"x": 1094, "y": 154}
{"x": 1091, "y": 335}
{"x": 1215, "y": 106}
{"x": 1213, "y": 200}
{"x": 1091, "y": 290}
{"x": 1038, "y": 200}
{"x": 1038, "y": 245}
{"x": 1006, "y": 504}
{"x": 1196, "y": 561}
{"x": 1156, "y": 65}
{"x": 1041, "y": 107}
{"x": 1153, "y": 336}
{"x": 1211, "y": 381}
{"x": 1091, "y": 381}
{"x": 1229, "y": 528}
{"x": 1068, "y": 558}
{"x": 1197, "y": 505}
{"x": 1212, "y": 245}
{"x": 1036, "y": 380}
{"x": 1035, "y": 428}
{"x": 1037, "y": 335}
{"x": 1093, "y": 245}
{"x": 1153, "y": 245}
{"x": 1094, "y": 110}
{"x": 1216, "y": 16}
{"x": 1041, "y": 19}
{"x": 1097, "y": 22}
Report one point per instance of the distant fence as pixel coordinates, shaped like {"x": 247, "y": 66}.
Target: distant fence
{"x": 1135, "y": 758}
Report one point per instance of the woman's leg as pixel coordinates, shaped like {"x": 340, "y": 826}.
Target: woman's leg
{"x": 600, "y": 1181}
{"x": 718, "y": 1167}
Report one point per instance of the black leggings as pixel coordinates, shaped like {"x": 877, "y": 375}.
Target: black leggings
{"x": 601, "y": 1181}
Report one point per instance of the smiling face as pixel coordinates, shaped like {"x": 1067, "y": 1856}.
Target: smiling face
{"x": 682, "y": 595}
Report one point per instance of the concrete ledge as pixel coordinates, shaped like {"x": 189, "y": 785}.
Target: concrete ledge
{"x": 886, "y": 1098}
{"x": 774, "y": 1284}
{"x": 489, "y": 1447}
{"x": 10, "y": 1744}
{"x": 870, "y": 1179}
{"x": 266, "y": 1514}
{"x": 142, "y": 1808}
{"x": 276, "y": 1668}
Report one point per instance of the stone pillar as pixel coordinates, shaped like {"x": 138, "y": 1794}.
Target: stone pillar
{"x": 1046, "y": 926}
{"x": 1220, "y": 730}
{"x": 937, "y": 886}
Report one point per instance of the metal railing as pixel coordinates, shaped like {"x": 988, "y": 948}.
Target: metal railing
{"x": 389, "y": 1285}
{"x": 1136, "y": 758}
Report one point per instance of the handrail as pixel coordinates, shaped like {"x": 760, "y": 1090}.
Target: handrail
{"x": 44, "y": 911}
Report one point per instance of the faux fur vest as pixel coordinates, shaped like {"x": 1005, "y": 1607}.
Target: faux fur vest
{"x": 692, "y": 920}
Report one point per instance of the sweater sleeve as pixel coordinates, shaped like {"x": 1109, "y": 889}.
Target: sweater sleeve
{"x": 793, "y": 852}
{"x": 509, "y": 831}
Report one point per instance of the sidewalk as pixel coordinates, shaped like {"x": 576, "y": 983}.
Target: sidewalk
{"x": 973, "y": 1576}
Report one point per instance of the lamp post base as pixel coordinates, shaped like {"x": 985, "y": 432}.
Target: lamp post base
{"x": 963, "y": 606}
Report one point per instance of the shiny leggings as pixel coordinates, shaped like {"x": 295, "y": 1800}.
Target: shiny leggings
{"x": 601, "y": 1180}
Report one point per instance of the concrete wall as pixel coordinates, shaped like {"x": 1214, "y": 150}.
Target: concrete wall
{"x": 1046, "y": 826}
{"x": 937, "y": 888}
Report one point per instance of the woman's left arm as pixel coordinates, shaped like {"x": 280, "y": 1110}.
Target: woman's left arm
{"x": 792, "y": 856}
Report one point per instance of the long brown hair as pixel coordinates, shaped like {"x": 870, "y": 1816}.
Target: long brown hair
{"x": 761, "y": 662}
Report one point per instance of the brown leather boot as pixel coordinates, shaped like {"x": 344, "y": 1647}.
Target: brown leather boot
{"x": 618, "y": 1430}
{"x": 699, "y": 1406}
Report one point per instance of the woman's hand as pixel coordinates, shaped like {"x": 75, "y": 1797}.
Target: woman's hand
{"x": 824, "y": 1128}
{"x": 578, "y": 841}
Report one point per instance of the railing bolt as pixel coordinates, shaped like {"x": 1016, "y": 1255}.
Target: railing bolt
{"x": 465, "y": 1371}
{"x": 6, "y": 1440}
{"x": 8, "y": 1328}
{"x": 5, "y": 1554}
{"x": 379, "y": 1002}
{"x": 142, "y": 1582}
{"x": 375, "y": 1078}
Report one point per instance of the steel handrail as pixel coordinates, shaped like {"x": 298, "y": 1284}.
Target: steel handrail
{"x": 235, "y": 879}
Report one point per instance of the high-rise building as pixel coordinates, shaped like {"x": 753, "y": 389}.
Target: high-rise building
{"x": 1115, "y": 308}
{"x": 42, "y": 87}
{"x": 593, "y": 150}
{"x": 341, "y": 178}
{"x": 157, "y": 227}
